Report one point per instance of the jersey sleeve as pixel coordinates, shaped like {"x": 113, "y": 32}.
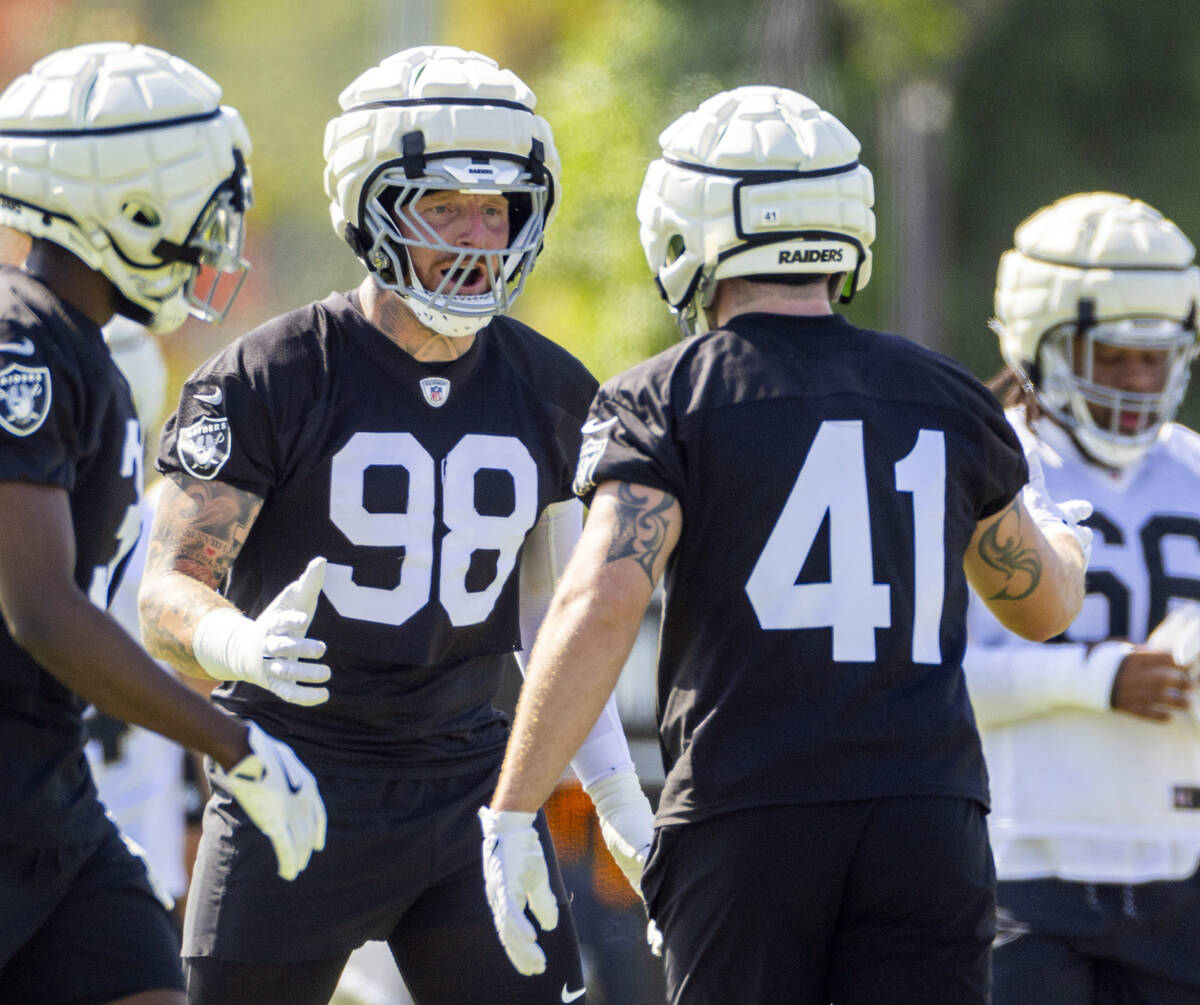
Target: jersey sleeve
{"x": 239, "y": 412}
{"x": 628, "y": 436}
{"x": 221, "y": 430}
{"x": 1004, "y": 471}
{"x": 41, "y": 392}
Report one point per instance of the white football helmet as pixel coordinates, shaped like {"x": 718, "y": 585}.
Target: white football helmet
{"x": 757, "y": 181}
{"x": 1099, "y": 269}
{"x": 438, "y": 117}
{"x": 124, "y": 155}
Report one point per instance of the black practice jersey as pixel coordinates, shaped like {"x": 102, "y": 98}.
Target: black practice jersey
{"x": 418, "y": 482}
{"x": 66, "y": 420}
{"x": 830, "y": 480}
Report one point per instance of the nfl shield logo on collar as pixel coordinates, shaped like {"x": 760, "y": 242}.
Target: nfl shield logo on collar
{"x": 24, "y": 398}
{"x": 436, "y": 390}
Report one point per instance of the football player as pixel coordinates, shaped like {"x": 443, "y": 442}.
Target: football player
{"x": 412, "y": 448}
{"x": 1092, "y": 744}
{"x": 130, "y": 178}
{"x": 819, "y": 497}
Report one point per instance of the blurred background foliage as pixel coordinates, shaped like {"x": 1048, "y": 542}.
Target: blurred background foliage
{"x": 971, "y": 113}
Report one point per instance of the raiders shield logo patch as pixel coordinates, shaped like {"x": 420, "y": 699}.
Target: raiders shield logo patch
{"x": 436, "y": 390}
{"x": 204, "y": 447}
{"x": 24, "y": 398}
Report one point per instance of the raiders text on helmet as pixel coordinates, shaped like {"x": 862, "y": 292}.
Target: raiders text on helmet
{"x": 756, "y": 181}
{"x": 440, "y": 118}
{"x": 1099, "y": 269}
{"x": 124, "y": 155}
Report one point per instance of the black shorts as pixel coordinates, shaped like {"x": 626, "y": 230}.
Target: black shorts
{"x": 80, "y": 925}
{"x": 855, "y": 903}
{"x": 1081, "y": 943}
{"x": 402, "y": 863}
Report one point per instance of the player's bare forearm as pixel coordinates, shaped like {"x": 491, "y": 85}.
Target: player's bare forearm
{"x": 1032, "y": 582}
{"x": 586, "y": 637}
{"x": 199, "y": 529}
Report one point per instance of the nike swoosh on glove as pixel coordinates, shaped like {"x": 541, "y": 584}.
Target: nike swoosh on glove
{"x": 268, "y": 650}
{"x": 514, "y": 873}
{"x": 280, "y": 796}
{"x": 626, "y": 822}
{"x": 1050, "y": 515}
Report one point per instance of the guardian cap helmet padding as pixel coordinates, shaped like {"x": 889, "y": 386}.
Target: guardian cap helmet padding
{"x": 438, "y": 117}
{"x": 757, "y": 181}
{"x": 1099, "y": 268}
{"x": 124, "y": 155}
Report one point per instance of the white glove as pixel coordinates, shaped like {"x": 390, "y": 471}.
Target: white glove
{"x": 626, "y": 822}
{"x": 279, "y": 795}
{"x": 267, "y": 651}
{"x": 654, "y": 938}
{"x": 514, "y": 872}
{"x": 1052, "y": 516}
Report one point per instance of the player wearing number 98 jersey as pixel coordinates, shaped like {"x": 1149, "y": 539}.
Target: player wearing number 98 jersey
{"x": 382, "y": 481}
{"x": 816, "y": 497}
{"x": 419, "y": 507}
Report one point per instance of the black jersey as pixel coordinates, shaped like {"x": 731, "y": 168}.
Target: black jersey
{"x": 830, "y": 480}
{"x": 66, "y": 420}
{"x": 418, "y": 482}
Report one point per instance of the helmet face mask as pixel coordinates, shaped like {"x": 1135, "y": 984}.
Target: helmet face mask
{"x": 1096, "y": 308}
{"x": 145, "y": 181}
{"x": 1095, "y": 382}
{"x": 216, "y": 241}
{"x": 392, "y": 218}
{"x": 430, "y": 119}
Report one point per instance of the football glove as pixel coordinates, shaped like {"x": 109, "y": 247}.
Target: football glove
{"x": 514, "y": 873}
{"x": 279, "y": 795}
{"x": 626, "y": 822}
{"x": 1050, "y": 515}
{"x": 268, "y": 650}
{"x": 654, "y": 938}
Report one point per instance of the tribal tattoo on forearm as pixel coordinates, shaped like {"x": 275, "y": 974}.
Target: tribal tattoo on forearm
{"x": 641, "y": 531}
{"x": 1002, "y": 546}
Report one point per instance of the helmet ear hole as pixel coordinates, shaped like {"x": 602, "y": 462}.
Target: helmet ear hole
{"x": 142, "y": 214}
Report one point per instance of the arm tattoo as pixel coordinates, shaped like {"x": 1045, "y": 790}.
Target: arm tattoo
{"x": 640, "y": 531}
{"x": 198, "y": 534}
{"x": 201, "y": 532}
{"x": 1002, "y": 547}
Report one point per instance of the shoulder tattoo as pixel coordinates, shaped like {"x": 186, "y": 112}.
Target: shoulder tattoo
{"x": 641, "y": 528}
{"x": 202, "y": 529}
{"x": 1002, "y": 547}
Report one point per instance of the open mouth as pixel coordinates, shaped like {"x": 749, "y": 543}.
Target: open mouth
{"x": 1135, "y": 422}
{"x": 472, "y": 279}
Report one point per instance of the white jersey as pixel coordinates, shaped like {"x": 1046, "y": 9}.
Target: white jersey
{"x": 1079, "y": 791}
{"x": 141, "y": 779}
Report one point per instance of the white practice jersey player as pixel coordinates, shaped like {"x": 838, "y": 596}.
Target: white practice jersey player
{"x": 1081, "y": 792}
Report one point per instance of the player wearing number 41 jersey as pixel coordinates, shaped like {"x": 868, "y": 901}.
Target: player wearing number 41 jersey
{"x": 381, "y": 482}
{"x": 819, "y": 497}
